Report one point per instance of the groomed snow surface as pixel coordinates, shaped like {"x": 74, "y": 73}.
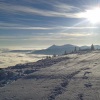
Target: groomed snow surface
{"x": 73, "y": 77}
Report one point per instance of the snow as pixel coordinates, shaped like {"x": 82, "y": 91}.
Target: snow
{"x": 76, "y": 78}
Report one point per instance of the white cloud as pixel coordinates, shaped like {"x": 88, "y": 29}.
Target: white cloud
{"x": 19, "y": 9}
{"x": 77, "y": 34}
{"x": 26, "y": 28}
{"x": 4, "y": 25}
{"x": 64, "y": 27}
{"x": 51, "y": 37}
{"x": 65, "y": 7}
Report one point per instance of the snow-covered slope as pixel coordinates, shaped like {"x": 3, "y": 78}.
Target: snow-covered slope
{"x": 69, "y": 77}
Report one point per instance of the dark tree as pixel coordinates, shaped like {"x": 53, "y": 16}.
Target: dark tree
{"x": 92, "y": 47}
{"x": 65, "y": 53}
{"x": 54, "y": 55}
{"x": 75, "y": 50}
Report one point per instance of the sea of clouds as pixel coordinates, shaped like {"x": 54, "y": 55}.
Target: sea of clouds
{"x": 10, "y": 59}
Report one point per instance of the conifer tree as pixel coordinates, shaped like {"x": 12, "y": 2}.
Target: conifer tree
{"x": 65, "y": 53}
{"x": 75, "y": 50}
{"x": 92, "y": 47}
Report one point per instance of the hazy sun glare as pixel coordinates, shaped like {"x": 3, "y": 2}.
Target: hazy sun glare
{"x": 92, "y": 15}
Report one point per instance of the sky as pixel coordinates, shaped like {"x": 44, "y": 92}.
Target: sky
{"x": 41, "y": 23}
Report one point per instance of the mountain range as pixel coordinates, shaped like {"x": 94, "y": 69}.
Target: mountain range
{"x": 58, "y": 50}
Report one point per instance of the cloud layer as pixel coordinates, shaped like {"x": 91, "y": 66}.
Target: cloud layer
{"x": 56, "y": 21}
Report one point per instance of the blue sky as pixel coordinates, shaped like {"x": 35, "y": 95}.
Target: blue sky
{"x": 41, "y": 23}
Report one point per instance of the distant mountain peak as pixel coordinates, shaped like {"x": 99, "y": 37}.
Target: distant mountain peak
{"x": 60, "y": 49}
{"x": 69, "y": 45}
{"x": 53, "y": 46}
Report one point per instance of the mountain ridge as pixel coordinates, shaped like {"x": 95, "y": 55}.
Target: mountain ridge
{"x": 56, "y": 49}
